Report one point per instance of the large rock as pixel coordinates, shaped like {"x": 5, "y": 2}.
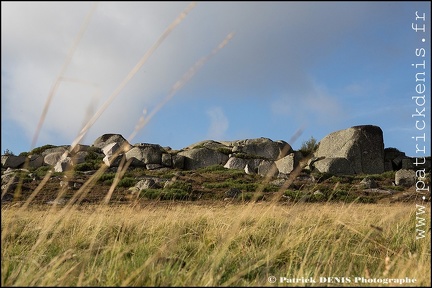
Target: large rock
{"x": 58, "y": 149}
{"x": 178, "y": 161}
{"x": 262, "y": 148}
{"x": 111, "y": 149}
{"x": 146, "y": 153}
{"x": 35, "y": 161}
{"x": 267, "y": 168}
{"x": 394, "y": 158}
{"x": 113, "y": 160}
{"x": 288, "y": 163}
{"x": 240, "y": 163}
{"x": 63, "y": 164}
{"x": 202, "y": 157}
{"x": 405, "y": 178}
{"x": 12, "y": 161}
{"x": 167, "y": 160}
{"x": 51, "y": 159}
{"x": 106, "y": 139}
{"x": 112, "y": 154}
{"x": 362, "y": 146}
{"x": 79, "y": 158}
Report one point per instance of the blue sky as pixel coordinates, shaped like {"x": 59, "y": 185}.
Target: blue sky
{"x": 316, "y": 67}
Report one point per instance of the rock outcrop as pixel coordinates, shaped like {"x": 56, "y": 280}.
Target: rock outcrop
{"x": 106, "y": 139}
{"x": 356, "y": 150}
{"x": 361, "y": 146}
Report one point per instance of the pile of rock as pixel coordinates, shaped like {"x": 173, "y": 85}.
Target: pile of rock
{"x": 356, "y": 150}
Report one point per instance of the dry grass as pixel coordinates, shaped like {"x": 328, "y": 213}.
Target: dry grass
{"x": 213, "y": 245}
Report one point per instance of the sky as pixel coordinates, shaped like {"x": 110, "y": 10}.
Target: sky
{"x": 176, "y": 73}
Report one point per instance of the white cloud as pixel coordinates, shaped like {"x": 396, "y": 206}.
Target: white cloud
{"x": 218, "y": 123}
{"x": 312, "y": 105}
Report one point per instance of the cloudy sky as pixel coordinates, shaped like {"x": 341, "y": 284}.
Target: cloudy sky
{"x": 226, "y": 71}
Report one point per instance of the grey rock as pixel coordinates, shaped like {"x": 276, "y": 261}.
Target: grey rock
{"x": 407, "y": 163}
{"x": 106, "y": 139}
{"x": 36, "y": 161}
{"x": 79, "y": 157}
{"x": 51, "y": 159}
{"x": 405, "y": 177}
{"x": 110, "y": 149}
{"x": 178, "y": 161}
{"x": 12, "y": 161}
{"x": 249, "y": 170}
{"x": 335, "y": 166}
{"x": 167, "y": 160}
{"x": 202, "y": 157}
{"x": 362, "y": 146}
{"x": 146, "y": 153}
{"x": 58, "y": 149}
{"x": 288, "y": 163}
{"x": 63, "y": 165}
{"x": 369, "y": 183}
{"x": 263, "y": 148}
{"x": 267, "y": 168}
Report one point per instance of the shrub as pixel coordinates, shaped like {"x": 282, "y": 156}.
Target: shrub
{"x": 42, "y": 171}
{"x": 181, "y": 185}
{"x": 174, "y": 194}
{"x": 40, "y": 150}
{"x": 127, "y": 182}
{"x": 150, "y": 193}
{"x": 224, "y": 150}
{"x": 294, "y": 195}
{"x": 107, "y": 176}
{"x": 167, "y": 194}
{"x": 92, "y": 155}
{"x": 270, "y": 188}
{"x": 93, "y": 149}
{"x": 309, "y": 146}
{"x": 86, "y": 166}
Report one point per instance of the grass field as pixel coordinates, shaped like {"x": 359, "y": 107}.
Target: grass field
{"x": 175, "y": 244}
